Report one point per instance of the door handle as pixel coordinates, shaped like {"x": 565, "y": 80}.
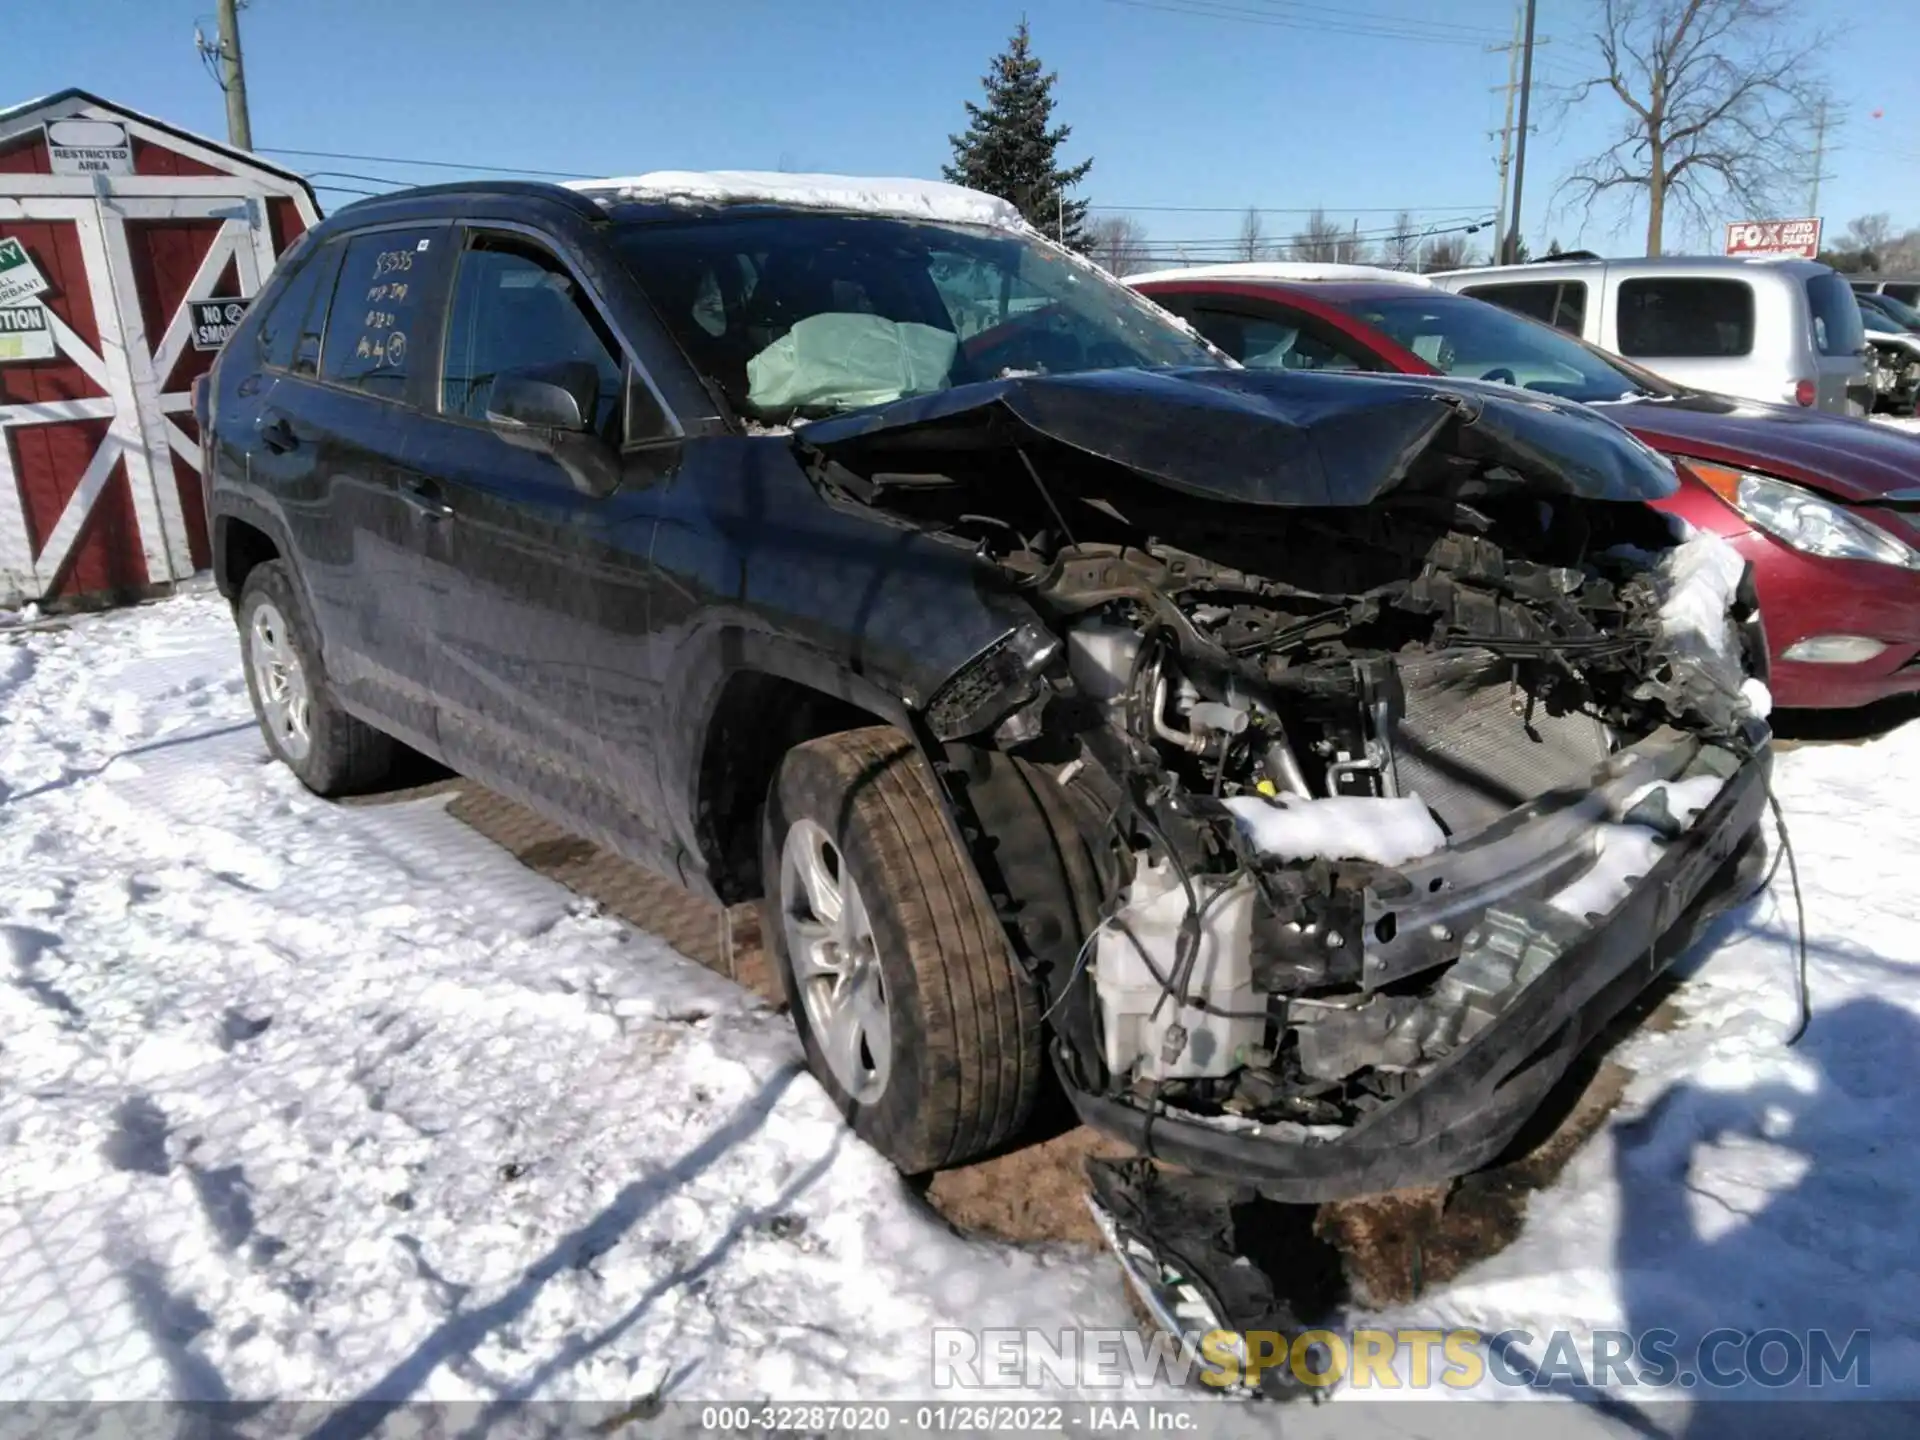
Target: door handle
{"x": 425, "y": 501}
{"x": 277, "y": 435}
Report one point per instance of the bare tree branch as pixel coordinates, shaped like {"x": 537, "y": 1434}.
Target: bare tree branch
{"x": 1251, "y": 244}
{"x": 1717, "y": 103}
{"x": 1118, "y": 244}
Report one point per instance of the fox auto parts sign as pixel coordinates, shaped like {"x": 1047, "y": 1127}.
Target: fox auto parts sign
{"x": 1774, "y": 237}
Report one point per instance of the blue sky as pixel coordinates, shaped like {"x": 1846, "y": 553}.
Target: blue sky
{"x": 1177, "y": 109}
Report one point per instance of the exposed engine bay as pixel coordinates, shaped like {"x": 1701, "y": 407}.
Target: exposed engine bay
{"x": 1351, "y": 777}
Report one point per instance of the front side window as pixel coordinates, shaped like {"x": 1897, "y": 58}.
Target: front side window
{"x": 384, "y": 279}
{"x": 515, "y": 307}
{"x": 1264, "y": 342}
{"x": 1458, "y": 335}
{"x": 808, "y": 315}
{"x": 1836, "y": 315}
{"x": 1686, "y": 318}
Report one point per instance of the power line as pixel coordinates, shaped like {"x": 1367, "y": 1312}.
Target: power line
{"x": 1384, "y": 19}
{"x": 426, "y": 164}
{"x": 1284, "y": 209}
{"x": 1218, "y": 10}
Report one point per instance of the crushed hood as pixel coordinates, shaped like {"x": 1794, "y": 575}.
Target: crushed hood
{"x": 1273, "y": 437}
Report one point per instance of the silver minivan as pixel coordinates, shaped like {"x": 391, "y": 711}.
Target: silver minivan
{"x": 1781, "y": 330}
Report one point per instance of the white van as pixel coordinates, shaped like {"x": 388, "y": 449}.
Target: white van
{"x": 1781, "y": 330}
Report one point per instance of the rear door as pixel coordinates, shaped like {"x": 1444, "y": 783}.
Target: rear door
{"x": 541, "y": 641}
{"x": 330, "y": 440}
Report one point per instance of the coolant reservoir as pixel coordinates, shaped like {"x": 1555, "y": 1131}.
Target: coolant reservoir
{"x": 1132, "y": 1034}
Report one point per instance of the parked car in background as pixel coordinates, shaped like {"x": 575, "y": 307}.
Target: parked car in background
{"x": 1895, "y": 349}
{"x": 1905, "y": 289}
{"x": 1892, "y": 307}
{"x": 1301, "y": 768}
{"x": 1780, "y": 331}
{"x": 1827, "y": 508}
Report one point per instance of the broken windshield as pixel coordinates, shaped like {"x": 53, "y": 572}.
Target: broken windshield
{"x": 811, "y": 315}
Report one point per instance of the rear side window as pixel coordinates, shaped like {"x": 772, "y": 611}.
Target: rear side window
{"x": 280, "y": 325}
{"x": 1686, "y": 318}
{"x": 1560, "y": 303}
{"x": 1906, "y": 291}
{"x": 291, "y": 328}
{"x": 1836, "y": 315}
{"x": 384, "y": 278}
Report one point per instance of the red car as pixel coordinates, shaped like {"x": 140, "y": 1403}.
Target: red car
{"x": 1826, "y": 507}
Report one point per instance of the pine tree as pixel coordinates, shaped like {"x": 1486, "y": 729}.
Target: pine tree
{"x": 1009, "y": 150}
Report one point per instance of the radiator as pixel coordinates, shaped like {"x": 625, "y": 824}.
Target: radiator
{"x": 1465, "y": 747}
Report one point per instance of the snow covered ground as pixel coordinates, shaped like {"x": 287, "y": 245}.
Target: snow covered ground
{"x": 321, "y": 1101}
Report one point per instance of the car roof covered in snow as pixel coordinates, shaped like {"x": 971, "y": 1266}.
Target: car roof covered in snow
{"x": 894, "y": 196}
{"x": 1281, "y": 270}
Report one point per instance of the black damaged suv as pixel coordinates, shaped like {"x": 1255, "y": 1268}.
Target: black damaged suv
{"x": 1301, "y": 767}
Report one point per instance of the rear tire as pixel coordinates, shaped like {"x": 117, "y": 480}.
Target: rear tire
{"x": 912, "y": 1011}
{"x": 332, "y": 752}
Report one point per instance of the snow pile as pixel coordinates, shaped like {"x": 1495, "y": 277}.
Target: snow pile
{"x": 871, "y": 195}
{"x": 1625, "y": 851}
{"x": 340, "y": 1102}
{"x": 1701, "y": 574}
{"x": 1743, "y": 1185}
{"x": 1340, "y": 827}
{"x": 1900, "y": 422}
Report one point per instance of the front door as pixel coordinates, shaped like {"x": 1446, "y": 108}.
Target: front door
{"x": 541, "y": 655}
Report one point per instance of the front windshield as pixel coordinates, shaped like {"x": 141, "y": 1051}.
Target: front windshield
{"x": 810, "y": 315}
{"x": 1480, "y": 341}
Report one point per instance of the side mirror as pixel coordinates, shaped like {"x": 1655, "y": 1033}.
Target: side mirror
{"x": 545, "y": 397}
{"x": 550, "y": 408}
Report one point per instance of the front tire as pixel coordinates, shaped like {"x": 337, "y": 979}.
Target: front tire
{"x": 911, "y": 1009}
{"x": 331, "y": 751}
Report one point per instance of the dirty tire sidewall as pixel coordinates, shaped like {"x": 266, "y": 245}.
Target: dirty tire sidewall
{"x": 967, "y": 1055}
{"x": 345, "y": 754}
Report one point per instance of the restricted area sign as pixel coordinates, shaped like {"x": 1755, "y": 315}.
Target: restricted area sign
{"x": 1774, "y": 237}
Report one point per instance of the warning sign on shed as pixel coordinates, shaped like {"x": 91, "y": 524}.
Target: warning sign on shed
{"x": 24, "y": 333}
{"x": 20, "y": 278}
{"x": 213, "y": 321}
{"x": 89, "y": 147}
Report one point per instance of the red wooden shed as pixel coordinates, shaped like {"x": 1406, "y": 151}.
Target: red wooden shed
{"x": 118, "y": 235}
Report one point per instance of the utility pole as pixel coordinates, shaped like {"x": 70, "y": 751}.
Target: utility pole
{"x": 1819, "y": 156}
{"x": 1511, "y": 241}
{"x": 1506, "y": 136}
{"x": 233, "y": 77}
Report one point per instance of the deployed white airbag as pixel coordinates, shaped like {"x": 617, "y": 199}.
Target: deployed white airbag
{"x": 849, "y": 360}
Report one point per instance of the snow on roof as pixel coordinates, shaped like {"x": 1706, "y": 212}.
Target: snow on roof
{"x": 1282, "y": 270}
{"x": 875, "y": 195}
